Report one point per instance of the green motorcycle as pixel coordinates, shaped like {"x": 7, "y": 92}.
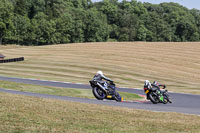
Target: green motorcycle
{"x": 155, "y": 95}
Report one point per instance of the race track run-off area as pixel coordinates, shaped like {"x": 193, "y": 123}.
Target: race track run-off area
{"x": 181, "y": 103}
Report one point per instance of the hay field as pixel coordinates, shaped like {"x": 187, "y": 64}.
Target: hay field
{"x": 128, "y": 63}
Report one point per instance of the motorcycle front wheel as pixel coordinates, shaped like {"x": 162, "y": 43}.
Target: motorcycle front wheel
{"x": 167, "y": 98}
{"x": 98, "y": 93}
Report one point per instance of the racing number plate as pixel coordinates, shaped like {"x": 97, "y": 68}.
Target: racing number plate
{"x": 147, "y": 91}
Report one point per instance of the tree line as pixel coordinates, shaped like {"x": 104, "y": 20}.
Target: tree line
{"x": 41, "y": 22}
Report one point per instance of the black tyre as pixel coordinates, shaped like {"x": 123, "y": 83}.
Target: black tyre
{"x": 169, "y": 100}
{"x": 153, "y": 98}
{"x": 118, "y": 97}
{"x": 166, "y": 98}
{"x": 98, "y": 93}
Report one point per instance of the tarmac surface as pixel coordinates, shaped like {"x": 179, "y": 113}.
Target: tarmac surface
{"x": 181, "y": 103}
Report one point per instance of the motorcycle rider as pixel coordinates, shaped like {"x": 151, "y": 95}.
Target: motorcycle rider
{"x": 99, "y": 76}
{"x": 155, "y": 86}
{"x": 159, "y": 91}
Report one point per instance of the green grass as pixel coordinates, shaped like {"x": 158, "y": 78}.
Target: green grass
{"x": 72, "y": 92}
{"x": 22, "y": 114}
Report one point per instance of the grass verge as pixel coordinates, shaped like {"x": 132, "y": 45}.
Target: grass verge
{"x": 72, "y": 92}
{"x": 22, "y": 114}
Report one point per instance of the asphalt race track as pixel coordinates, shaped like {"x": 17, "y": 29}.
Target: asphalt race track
{"x": 182, "y": 103}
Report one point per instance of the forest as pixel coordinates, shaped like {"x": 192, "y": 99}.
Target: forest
{"x": 44, "y": 22}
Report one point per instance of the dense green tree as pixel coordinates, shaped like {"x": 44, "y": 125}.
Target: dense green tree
{"x": 55, "y": 8}
{"x": 142, "y": 33}
{"x": 109, "y": 7}
{"x": 79, "y": 25}
{"x": 87, "y": 4}
{"x": 64, "y": 28}
{"x": 44, "y": 30}
{"x": 96, "y": 26}
{"x": 3, "y": 30}
{"x": 195, "y": 37}
{"x": 36, "y": 6}
{"x": 129, "y": 24}
{"x": 21, "y": 29}
{"x": 41, "y": 22}
{"x": 6, "y": 16}
{"x": 114, "y": 31}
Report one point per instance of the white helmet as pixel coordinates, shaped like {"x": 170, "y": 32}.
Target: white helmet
{"x": 99, "y": 73}
{"x": 147, "y": 83}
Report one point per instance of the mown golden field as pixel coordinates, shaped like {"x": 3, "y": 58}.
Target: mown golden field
{"x": 128, "y": 63}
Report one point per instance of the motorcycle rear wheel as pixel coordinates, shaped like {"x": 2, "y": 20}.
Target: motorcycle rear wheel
{"x": 118, "y": 97}
{"x": 153, "y": 98}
